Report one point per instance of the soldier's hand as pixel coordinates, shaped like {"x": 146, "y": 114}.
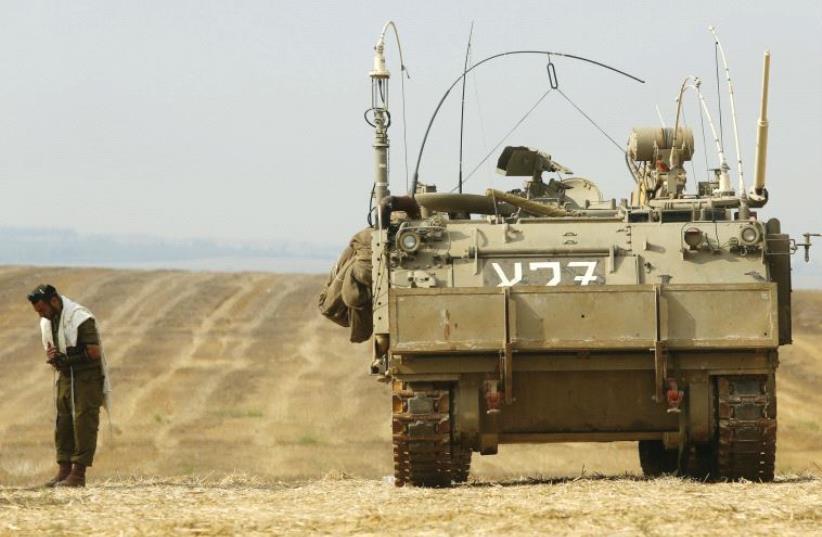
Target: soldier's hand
{"x": 52, "y": 351}
{"x": 58, "y": 361}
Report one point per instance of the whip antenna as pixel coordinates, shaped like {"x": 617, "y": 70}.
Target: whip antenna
{"x": 718, "y": 45}
{"x": 378, "y": 117}
{"x": 462, "y": 106}
{"x": 694, "y": 83}
{"x": 412, "y": 190}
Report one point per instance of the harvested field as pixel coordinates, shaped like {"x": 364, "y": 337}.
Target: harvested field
{"x": 231, "y": 375}
{"x": 621, "y": 506}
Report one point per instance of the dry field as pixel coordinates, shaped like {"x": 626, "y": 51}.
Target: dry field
{"x": 222, "y": 375}
{"x": 340, "y": 506}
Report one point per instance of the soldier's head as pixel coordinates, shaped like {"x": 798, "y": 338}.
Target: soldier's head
{"x": 46, "y": 301}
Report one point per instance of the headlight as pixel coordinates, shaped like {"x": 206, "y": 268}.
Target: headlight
{"x": 693, "y": 237}
{"x": 749, "y": 235}
{"x": 409, "y": 242}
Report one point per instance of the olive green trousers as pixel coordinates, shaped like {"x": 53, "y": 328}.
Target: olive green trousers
{"x": 75, "y": 434}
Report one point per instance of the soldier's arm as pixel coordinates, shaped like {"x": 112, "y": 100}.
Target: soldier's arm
{"x": 88, "y": 343}
{"x": 93, "y": 352}
{"x": 89, "y": 338}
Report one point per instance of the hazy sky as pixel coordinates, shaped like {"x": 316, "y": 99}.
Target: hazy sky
{"x": 243, "y": 120}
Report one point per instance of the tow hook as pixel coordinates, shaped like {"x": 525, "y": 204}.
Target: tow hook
{"x": 493, "y": 397}
{"x": 674, "y": 397}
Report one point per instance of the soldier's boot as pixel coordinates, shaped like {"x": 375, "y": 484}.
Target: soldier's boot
{"x": 77, "y": 477}
{"x": 63, "y": 472}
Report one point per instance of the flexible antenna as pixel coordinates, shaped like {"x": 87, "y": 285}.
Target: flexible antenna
{"x": 695, "y": 83}
{"x": 704, "y": 143}
{"x": 718, "y": 45}
{"x": 549, "y": 53}
{"x": 507, "y": 134}
{"x": 718, "y": 95}
{"x": 403, "y": 75}
{"x": 659, "y": 115}
{"x": 462, "y": 105}
{"x": 381, "y": 119}
{"x": 685, "y": 122}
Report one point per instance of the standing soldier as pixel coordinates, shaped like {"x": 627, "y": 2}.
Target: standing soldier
{"x": 72, "y": 344}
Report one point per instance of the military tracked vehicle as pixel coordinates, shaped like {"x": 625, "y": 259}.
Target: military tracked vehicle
{"x": 551, "y": 314}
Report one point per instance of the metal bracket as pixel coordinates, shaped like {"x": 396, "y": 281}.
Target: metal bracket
{"x": 507, "y": 355}
{"x": 807, "y": 244}
{"x": 660, "y": 370}
{"x": 476, "y": 251}
{"x": 552, "y": 74}
{"x": 660, "y": 351}
{"x": 611, "y": 260}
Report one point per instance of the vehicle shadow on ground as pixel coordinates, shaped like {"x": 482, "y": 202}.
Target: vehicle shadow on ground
{"x": 544, "y": 480}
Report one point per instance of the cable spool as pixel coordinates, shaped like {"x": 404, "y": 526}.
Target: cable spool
{"x": 646, "y": 143}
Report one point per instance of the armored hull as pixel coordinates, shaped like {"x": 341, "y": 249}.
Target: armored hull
{"x": 549, "y": 314}
{"x": 596, "y": 328}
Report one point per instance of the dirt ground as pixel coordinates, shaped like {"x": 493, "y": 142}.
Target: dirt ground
{"x": 219, "y": 374}
{"x": 340, "y": 506}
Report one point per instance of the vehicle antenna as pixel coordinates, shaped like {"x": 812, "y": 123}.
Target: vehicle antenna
{"x": 659, "y": 115}
{"x": 695, "y": 84}
{"x": 381, "y": 119}
{"x": 510, "y": 131}
{"x": 718, "y": 45}
{"x": 704, "y": 142}
{"x": 549, "y": 53}
{"x": 462, "y": 105}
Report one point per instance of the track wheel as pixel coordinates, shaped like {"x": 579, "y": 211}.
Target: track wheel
{"x": 699, "y": 462}
{"x": 460, "y": 463}
{"x": 421, "y": 427}
{"x": 746, "y": 415}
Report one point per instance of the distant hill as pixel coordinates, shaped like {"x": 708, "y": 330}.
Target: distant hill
{"x": 63, "y": 247}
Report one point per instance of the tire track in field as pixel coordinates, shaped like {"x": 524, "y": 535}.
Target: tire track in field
{"x": 222, "y": 430}
{"x": 363, "y": 402}
{"x": 263, "y": 359}
{"x": 139, "y": 287}
{"x": 156, "y": 326}
{"x": 246, "y": 321}
{"x": 286, "y": 414}
{"x": 142, "y": 307}
{"x": 324, "y": 392}
{"x": 158, "y": 300}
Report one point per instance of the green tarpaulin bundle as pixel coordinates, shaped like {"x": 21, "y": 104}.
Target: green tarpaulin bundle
{"x": 346, "y": 297}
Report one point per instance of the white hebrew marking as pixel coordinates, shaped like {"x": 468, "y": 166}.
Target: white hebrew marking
{"x": 590, "y": 267}
{"x": 504, "y": 281}
{"x": 555, "y": 270}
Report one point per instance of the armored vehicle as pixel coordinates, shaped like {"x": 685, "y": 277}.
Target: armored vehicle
{"x": 551, "y": 314}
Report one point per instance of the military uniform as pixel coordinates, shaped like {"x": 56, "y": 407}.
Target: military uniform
{"x": 78, "y": 413}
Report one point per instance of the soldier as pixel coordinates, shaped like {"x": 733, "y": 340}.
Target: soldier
{"x": 72, "y": 344}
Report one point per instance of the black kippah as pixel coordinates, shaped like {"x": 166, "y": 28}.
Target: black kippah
{"x": 44, "y": 292}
